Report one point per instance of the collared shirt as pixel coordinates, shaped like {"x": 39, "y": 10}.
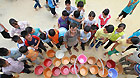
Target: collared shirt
{"x": 22, "y": 25}
{"x": 83, "y": 36}
{"x": 71, "y": 9}
{"x": 14, "y": 67}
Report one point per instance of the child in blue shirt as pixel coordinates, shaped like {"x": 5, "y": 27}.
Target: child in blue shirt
{"x": 128, "y": 9}
{"x": 52, "y": 6}
{"x": 76, "y": 15}
{"x": 35, "y": 31}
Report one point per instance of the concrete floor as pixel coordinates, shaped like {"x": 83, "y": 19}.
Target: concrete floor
{"x": 23, "y": 10}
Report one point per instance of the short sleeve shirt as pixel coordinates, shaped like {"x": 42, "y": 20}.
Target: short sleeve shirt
{"x": 123, "y": 45}
{"x": 100, "y": 35}
{"x": 37, "y": 32}
{"x": 89, "y": 22}
{"x": 135, "y": 57}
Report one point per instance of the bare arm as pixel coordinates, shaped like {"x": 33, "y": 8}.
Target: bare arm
{"x": 78, "y": 20}
{"x": 3, "y": 27}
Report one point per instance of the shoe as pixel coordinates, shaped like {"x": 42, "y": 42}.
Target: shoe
{"x": 122, "y": 53}
{"x": 77, "y": 50}
{"x": 117, "y": 54}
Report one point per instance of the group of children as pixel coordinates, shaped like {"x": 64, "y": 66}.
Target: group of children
{"x": 73, "y": 29}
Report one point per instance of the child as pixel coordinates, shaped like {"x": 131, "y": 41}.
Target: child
{"x": 71, "y": 38}
{"x": 53, "y": 35}
{"x": 76, "y": 1}
{"x": 135, "y": 34}
{"x": 62, "y": 32}
{"x": 128, "y": 9}
{"x": 93, "y": 30}
{"x": 76, "y": 16}
{"x": 35, "y": 31}
{"x": 104, "y": 18}
{"x": 80, "y": 7}
{"x": 4, "y": 32}
{"x": 18, "y": 26}
{"x": 84, "y": 36}
{"x": 63, "y": 20}
{"x": 121, "y": 45}
{"x": 117, "y": 33}
{"x": 12, "y": 53}
{"x": 37, "y": 4}
{"x": 102, "y": 35}
{"x": 44, "y": 37}
{"x": 33, "y": 41}
{"x": 31, "y": 54}
{"x": 9, "y": 66}
{"x": 19, "y": 40}
{"x": 69, "y": 8}
{"x": 90, "y": 21}
{"x": 130, "y": 59}
{"x": 52, "y": 6}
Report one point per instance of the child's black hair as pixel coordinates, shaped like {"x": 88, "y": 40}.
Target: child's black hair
{"x": 65, "y": 13}
{"x": 12, "y": 21}
{"x": 67, "y": 2}
{"x": 93, "y": 27}
{"x": 122, "y": 25}
{"x": 29, "y": 29}
{"x": 92, "y": 14}
{"x": 106, "y": 12}
{"x": 42, "y": 36}
{"x": 2, "y": 62}
{"x": 24, "y": 33}
{"x": 109, "y": 28}
{"x": 87, "y": 28}
{"x": 76, "y": 14}
{"x": 15, "y": 38}
{"x": 4, "y": 51}
{"x": 73, "y": 25}
{"x": 23, "y": 49}
{"x": 52, "y": 32}
{"x": 80, "y": 4}
{"x": 60, "y": 40}
{"x": 135, "y": 40}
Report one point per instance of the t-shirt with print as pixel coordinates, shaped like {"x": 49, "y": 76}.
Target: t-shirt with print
{"x": 71, "y": 40}
{"x": 100, "y": 35}
{"x": 32, "y": 55}
{"x": 135, "y": 57}
{"x": 33, "y": 42}
{"x": 37, "y": 32}
{"x": 63, "y": 23}
{"x": 89, "y": 22}
{"x": 15, "y": 54}
{"x": 123, "y": 45}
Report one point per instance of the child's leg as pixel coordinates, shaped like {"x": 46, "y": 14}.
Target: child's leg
{"x": 41, "y": 45}
{"x": 92, "y": 44}
{"x": 98, "y": 44}
{"x": 69, "y": 49}
{"x": 50, "y": 44}
{"x": 120, "y": 14}
{"x": 35, "y": 5}
{"x": 58, "y": 45}
{"x": 38, "y": 4}
{"x": 5, "y": 34}
{"x": 83, "y": 46}
{"x": 108, "y": 44}
{"x": 75, "y": 47}
{"x": 53, "y": 11}
{"x": 26, "y": 70}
